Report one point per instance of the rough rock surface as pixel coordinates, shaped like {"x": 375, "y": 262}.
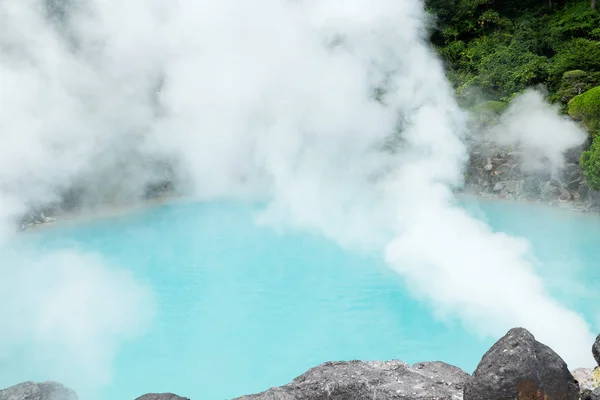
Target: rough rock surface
{"x": 38, "y": 391}
{"x": 497, "y": 171}
{"x": 358, "y": 380}
{"x": 596, "y": 349}
{"x": 585, "y": 378}
{"x": 161, "y": 396}
{"x": 592, "y": 395}
{"x": 519, "y": 367}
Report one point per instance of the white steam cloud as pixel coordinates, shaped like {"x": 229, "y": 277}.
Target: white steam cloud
{"x": 538, "y": 129}
{"x": 270, "y": 98}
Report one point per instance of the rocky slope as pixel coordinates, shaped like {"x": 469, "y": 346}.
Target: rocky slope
{"x": 497, "y": 171}
{"x": 517, "y": 367}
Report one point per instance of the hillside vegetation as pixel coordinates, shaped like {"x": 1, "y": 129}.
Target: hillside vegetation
{"x": 495, "y": 49}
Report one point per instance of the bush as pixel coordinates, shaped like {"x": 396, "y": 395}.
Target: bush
{"x": 575, "y": 83}
{"x": 590, "y": 163}
{"x": 511, "y": 69}
{"x": 503, "y": 47}
{"x": 487, "y": 112}
{"x": 583, "y": 54}
{"x": 576, "y": 20}
{"x": 586, "y": 107}
{"x": 490, "y": 107}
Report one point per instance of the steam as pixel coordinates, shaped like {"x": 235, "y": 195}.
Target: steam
{"x": 543, "y": 135}
{"x": 269, "y": 99}
{"x": 64, "y": 315}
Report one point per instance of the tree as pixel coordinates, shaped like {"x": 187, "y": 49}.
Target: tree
{"x": 594, "y": 4}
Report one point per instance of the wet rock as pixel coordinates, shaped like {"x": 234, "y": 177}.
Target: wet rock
{"x": 161, "y": 396}
{"x": 38, "y": 391}
{"x": 512, "y": 186}
{"x": 498, "y": 187}
{"x": 571, "y": 172}
{"x": 549, "y": 191}
{"x": 531, "y": 185}
{"x": 519, "y": 367}
{"x": 565, "y": 196}
{"x": 574, "y": 154}
{"x": 367, "y": 380}
{"x": 574, "y": 185}
{"x": 583, "y": 190}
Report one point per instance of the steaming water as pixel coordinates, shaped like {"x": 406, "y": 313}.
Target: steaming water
{"x": 241, "y": 308}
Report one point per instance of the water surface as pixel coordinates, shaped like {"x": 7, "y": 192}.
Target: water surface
{"x": 241, "y": 308}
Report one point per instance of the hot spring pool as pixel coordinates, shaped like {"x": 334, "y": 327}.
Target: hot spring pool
{"x": 240, "y": 308}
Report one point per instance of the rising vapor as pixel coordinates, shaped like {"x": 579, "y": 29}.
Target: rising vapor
{"x": 270, "y": 99}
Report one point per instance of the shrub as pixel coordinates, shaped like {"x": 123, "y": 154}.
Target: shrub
{"x": 576, "y": 20}
{"x": 491, "y": 106}
{"x": 586, "y": 107}
{"x": 488, "y": 112}
{"x": 575, "y": 83}
{"x": 590, "y": 164}
{"x": 582, "y": 54}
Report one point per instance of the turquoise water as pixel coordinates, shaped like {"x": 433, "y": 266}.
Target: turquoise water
{"x": 242, "y": 308}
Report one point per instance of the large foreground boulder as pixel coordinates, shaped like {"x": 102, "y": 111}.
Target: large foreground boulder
{"x": 38, "y": 391}
{"x": 362, "y": 380}
{"x": 521, "y": 368}
{"x": 161, "y": 396}
{"x": 596, "y": 350}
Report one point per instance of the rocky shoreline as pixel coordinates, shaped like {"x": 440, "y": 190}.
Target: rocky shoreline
{"x": 516, "y": 367}
{"x": 497, "y": 171}
{"x": 493, "y": 171}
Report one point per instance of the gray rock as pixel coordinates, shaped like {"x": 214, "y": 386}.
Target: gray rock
{"x": 596, "y": 349}
{"x": 584, "y": 190}
{"x": 571, "y": 172}
{"x": 590, "y": 394}
{"x": 498, "y": 187}
{"x": 362, "y": 380}
{"x": 574, "y": 154}
{"x": 585, "y": 379}
{"x": 38, "y": 391}
{"x": 519, "y": 367}
{"x": 161, "y": 396}
{"x": 512, "y": 186}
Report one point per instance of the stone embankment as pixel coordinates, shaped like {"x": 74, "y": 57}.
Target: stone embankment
{"x": 502, "y": 172}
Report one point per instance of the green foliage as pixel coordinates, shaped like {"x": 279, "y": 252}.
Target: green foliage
{"x": 502, "y": 47}
{"x": 487, "y": 112}
{"x": 590, "y": 163}
{"x": 580, "y": 53}
{"x": 577, "y": 20}
{"x": 575, "y": 83}
{"x": 490, "y": 106}
{"x": 586, "y": 107}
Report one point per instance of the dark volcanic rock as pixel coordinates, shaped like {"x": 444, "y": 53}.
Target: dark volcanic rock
{"x": 591, "y": 394}
{"x": 596, "y": 349}
{"x": 519, "y": 367}
{"x": 161, "y": 396}
{"x": 358, "y": 380}
{"x": 38, "y": 391}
